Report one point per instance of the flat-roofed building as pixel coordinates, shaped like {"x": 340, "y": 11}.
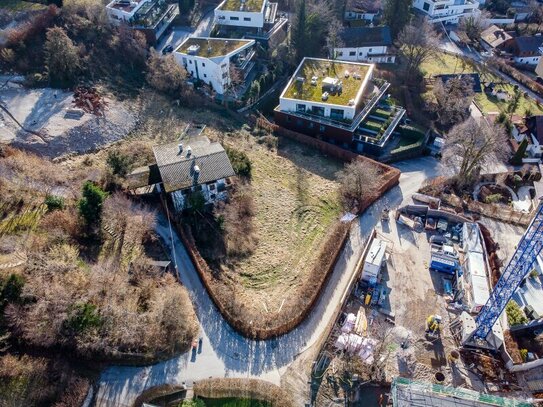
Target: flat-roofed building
{"x": 152, "y": 17}
{"x": 215, "y": 60}
{"x": 339, "y": 102}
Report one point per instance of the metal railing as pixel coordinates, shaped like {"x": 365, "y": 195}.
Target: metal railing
{"x": 400, "y": 112}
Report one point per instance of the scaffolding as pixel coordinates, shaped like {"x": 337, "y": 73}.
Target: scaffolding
{"x": 410, "y": 393}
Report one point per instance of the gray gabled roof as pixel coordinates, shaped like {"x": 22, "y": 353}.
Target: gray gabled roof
{"x": 177, "y": 169}
{"x": 366, "y": 37}
{"x": 529, "y": 44}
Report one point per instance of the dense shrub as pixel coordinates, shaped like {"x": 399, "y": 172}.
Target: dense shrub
{"x": 90, "y": 205}
{"x": 240, "y": 162}
{"x": 118, "y": 163}
{"x": 515, "y": 316}
{"x": 54, "y": 203}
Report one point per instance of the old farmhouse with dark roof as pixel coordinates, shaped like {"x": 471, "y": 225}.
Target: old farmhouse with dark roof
{"x": 366, "y": 44}
{"x": 526, "y": 50}
{"x": 197, "y": 165}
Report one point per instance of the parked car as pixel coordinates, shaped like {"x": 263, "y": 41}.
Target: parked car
{"x": 167, "y": 49}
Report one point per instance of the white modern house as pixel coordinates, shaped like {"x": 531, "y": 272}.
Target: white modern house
{"x": 216, "y": 60}
{"x": 366, "y": 10}
{"x": 245, "y": 13}
{"x": 366, "y": 44}
{"x": 152, "y": 17}
{"x": 446, "y": 11}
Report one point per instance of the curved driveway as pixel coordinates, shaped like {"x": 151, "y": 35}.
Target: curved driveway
{"x": 225, "y": 353}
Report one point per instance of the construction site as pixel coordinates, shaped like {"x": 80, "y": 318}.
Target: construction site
{"x": 424, "y": 324}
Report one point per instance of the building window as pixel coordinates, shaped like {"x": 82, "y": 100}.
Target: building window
{"x": 371, "y": 49}
{"x": 300, "y": 107}
{"x": 352, "y": 53}
{"x": 426, "y": 6}
{"x": 311, "y": 125}
{"x": 340, "y": 53}
{"x": 246, "y": 18}
{"x": 289, "y": 119}
{"x": 203, "y": 64}
{"x": 322, "y": 128}
{"x": 317, "y": 110}
{"x": 299, "y": 123}
{"x": 190, "y": 61}
{"x": 361, "y": 53}
{"x": 205, "y": 76}
{"x": 234, "y": 18}
{"x": 336, "y": 114}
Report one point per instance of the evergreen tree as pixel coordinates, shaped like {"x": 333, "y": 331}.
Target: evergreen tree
{"x": 396, "y": 14}
{"x": 519, "y": 155}
{"x": 299, "y": 31}
{"x": 90, "y": 205}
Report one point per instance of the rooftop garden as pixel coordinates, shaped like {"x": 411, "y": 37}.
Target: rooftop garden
{"x": 310, "y": 90}
{"x": 210, "y": 47}
{"x": 235, "y": 5}
{"x": 378, "y": 121}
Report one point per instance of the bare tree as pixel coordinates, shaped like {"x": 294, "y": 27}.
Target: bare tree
{"x": 357, "y": 184}
{"x": 165, "y": 74}
{"x": 453, "y": 100}
{"x": 417, "y": 42}
{"x": 471, "y": 26}
{"x": 333, "y": 39}
{"x": 471, "y": 146}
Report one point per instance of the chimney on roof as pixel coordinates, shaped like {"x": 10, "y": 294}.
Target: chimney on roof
{"x": 180, "y": 146}
{"x": 196, "y": 169}
{"x": 189, "y": 151}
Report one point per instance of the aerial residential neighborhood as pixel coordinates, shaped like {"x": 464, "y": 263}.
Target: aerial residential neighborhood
{"x": 246, "y": 203}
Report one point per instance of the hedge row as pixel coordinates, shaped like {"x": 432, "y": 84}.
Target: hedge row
{"x": 243, "y": 388}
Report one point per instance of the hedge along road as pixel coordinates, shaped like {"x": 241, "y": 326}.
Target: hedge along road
{"x": 225, "y": 353}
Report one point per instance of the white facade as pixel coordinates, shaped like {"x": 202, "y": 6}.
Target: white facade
{"x": 213, "y": 192}
{"x": 376, "y": 54}
{"x": 356, "y": 15}
{"x": 118, "y": 13}
{"x": 447, "y": 11}
{"x": 240, "y": 18}
{"x": 214, "y": 71}
{"x": 531, "y": 60}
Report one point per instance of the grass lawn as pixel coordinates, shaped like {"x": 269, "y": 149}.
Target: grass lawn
{"x": 322, "y": 69}
{"x": 234, "y": 402}
{"x": 20, "y": 5}
{"x": 448, "y": 64}
{"x": 296, "y": 203}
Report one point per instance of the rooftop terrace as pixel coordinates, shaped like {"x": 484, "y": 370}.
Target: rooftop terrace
{"x": 240, "y": 5}
{"x": 210, "y": 47}
{"x": 307, "y": 82}
{"x": 125, "y": 5}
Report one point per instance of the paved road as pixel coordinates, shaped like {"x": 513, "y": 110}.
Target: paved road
{"x": 179, "y": 34}
{"x": 225, "y": 353}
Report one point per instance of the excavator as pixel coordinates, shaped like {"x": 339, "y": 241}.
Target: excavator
{"x": 433, "y": 325}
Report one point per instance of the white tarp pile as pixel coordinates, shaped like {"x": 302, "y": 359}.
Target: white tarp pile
{"x": 353, "y": 343}
{"x": 349, "y": 323}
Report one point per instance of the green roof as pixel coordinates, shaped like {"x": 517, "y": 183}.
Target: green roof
{"x": 321, "y": 69}
{"x": 210, "y": 47}
{"x": 235, "y": 5}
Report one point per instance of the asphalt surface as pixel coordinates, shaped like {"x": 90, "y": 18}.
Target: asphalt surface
{"x": 225, "y": 353}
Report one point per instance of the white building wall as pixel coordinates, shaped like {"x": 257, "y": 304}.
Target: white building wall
{"x": 290, "y": 105}
{"x": 240, "y": 18}
{"x": 353, "y": 15}
{"x": 527, "y": 60}
{"x": 447, "y": 11}
{"x": 365, "y": 54}
{"x": 116, "y": 16}
{"x": 214, "y": 73}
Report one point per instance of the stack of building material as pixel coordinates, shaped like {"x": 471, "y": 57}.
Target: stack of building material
{"x": 89, "y": 100}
